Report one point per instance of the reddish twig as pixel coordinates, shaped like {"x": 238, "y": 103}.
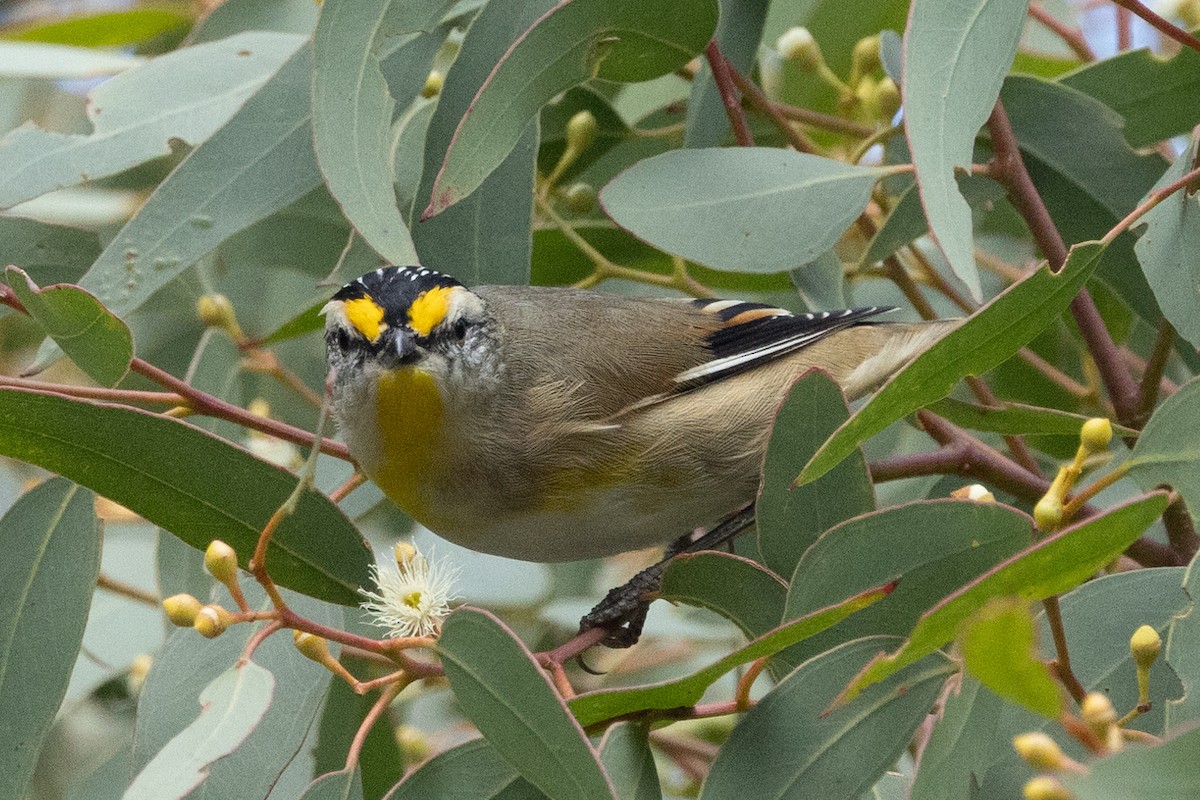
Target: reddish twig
{"x": 1072, "y": 37}
{"x": 759, "y": 101}
{"x": 1159, "y": 24}
{"x": 729, "y": 94}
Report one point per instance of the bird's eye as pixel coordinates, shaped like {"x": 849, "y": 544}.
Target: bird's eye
{"x": 460, "y": 329}
{"x": 343, "y": 339}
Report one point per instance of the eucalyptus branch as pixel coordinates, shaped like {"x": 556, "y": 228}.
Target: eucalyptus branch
{"x": 1181, "y": 532}
{"x": 1062, "y": 661}
{"x": 128, "y": 396}
{"x": 729, "y": 94}
{"x": 1008, "y": 168}
{"x": 1072, "y": 37}
{"x": 824, "y": 121}
{"x": 1159, "y": 24}
{"x": 110, "y": 584}
{"x": 1152, "y": 377}
{"x": 760, "y": 102}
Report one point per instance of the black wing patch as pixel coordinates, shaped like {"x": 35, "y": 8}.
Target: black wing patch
{"x": 751, "y": 334}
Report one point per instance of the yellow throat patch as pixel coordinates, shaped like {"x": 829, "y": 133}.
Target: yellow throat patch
{"x": 409, "y": 410}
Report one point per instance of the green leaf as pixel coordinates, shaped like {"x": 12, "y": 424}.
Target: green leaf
{"x": 1167, "y": 771}
{"x": 348, "y": 87}
{"x": 381, "y": 760}
{"x": 598, "y": 706}
{"x": 789, "y": 520}
{"x": 48, "y": 253}
{"x": 107, "y": 29}
{"x": 1182, "y": 644}
{"x": 187, "y": 662}
{"x": 986, "y": 339}
{"x": 1016, "y": 419}
{"x": 932, "y": 547}
{"x": 307, "y": 321}
{"x": 99, "y": 343}
{"x": 735, "y": 208}
{"x": 1051, "y": 566}
{"x": 998, "y": 647}
{"x": 1168, "y": 450}
{"x": 230, "y": 709}
{"x": 234, "y": 16}
{"x": 190, "y": 483}
{"x": 956, "y": 55}
{"x": 341, "y": 785}
{"x": 738, "y": 589}
{"x": 1166, "y": 249}
{"x": 51, "y": 544}
{"x": 187, "y": 95}
{"x": 473, "y": 770}
{"x": 625, "y": 753}
{"x": 966, "y": 740}
{"x": 258, "y": 163}
{"x": 509, "y": 698}
{"x": 485, "y": 238}
{"x": 792, "y": 746}
{"x": 578, "y": 40}
{"x": 1157, "y": 97}
{"x": 821, "y": 282}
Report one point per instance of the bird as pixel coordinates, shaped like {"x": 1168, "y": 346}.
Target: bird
{"x": 556, "y": 424}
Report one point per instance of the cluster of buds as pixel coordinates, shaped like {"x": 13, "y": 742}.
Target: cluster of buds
{"x": 1094, "y": 437}
{"x": 581, "y": 132}
{"x": 213, "y": 619}
{"x": 867, "y": 97}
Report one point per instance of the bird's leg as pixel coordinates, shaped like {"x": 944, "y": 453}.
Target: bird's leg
{"x": 623, "y": 610}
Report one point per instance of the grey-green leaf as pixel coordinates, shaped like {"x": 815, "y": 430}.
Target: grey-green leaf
{"x": 259, "y": 162}
{"x": 473, "y": 769}
{"x": 1167, "y": 771}
{"x": 352, "y": 112}
{"x": 1168, "y": 451}
{"x": 746, "y": 209}
{"x": 230, "y": 709}
{"x": 92, "y": 336}
{"x": 956, "y": 55}
{"x": 509, "y": 698}
{"x": 625, "y": 752}
{"x": 1167, "y": 250}
{"x": 792, "y": 746}
{"x": 51, "y": 544}
{"x": 617, "y": 40}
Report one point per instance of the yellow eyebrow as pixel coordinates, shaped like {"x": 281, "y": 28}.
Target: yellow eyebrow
{"x": 429, "y": 309}
{"x": 366, "y": 315}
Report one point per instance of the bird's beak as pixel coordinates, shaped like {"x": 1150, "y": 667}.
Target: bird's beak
{"x": 399, "y": 347}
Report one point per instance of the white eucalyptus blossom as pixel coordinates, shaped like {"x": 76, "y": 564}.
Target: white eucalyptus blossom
{"x": 414, "y": 595}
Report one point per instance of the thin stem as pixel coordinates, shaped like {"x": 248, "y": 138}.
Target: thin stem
{"x": 1009, "y": 169}
{"x": 561, "y": 682}
{"x": 362, "y": 687}
{"x": 349, "y": 485}
{"x": 1062, "y": 662}
{"x": 760, "y": 102}
{"x": 572, "y": 647}
{"x": 1078, "y": 500}
{"x": 1124, "y": 29}
{"x": 1150, "y": 202}
{"x": 1072, "y": 37}
{"x": 1181, "y": 532}
{"x": 1161, "y": 25}
{"x": 1164, "y": 344}
{"x": 110, "y": 584}
{"x": 824, "y": 121}
{"x": 875, "y": 138}
{"x": 202, "y": 403}
{"x": 360, "y": 736}
{"x": 260, "y": 636}
{"x": 729, "y": 94}
{"x": 742, "y": 696}
{"x": 94, "y": 392}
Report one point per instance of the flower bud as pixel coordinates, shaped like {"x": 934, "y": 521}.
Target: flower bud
{"x": 1043, "y": 787}
{"x": 865, "y": 57}
{"x": 887, "y": 99}
{"x": 580, "y": 198}
{"x": 1097, "y": 710}
{"x": 1039, "y": 751}
{"x": 181, "y": 609}
{"x": 212, "y": 621}
{"x": 581, "y": 131}
{"x": 433, "y": 84}
{"x": 221, "y": 561}
{"x": 797, "y": 44}
{"x": 405, "y": 552}
{"x": 977, "y": 492}
{"x": 413, "y": 744}
{"x": 1145, "y": 645}
{"x": 311, "y": 646}
{"x": 1048, "y": 513}
{"x": 1095, "y": 434}
{"x": 215, "y": 311}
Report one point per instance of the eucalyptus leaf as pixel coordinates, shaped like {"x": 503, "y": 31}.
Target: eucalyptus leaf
{"x": 1167, "y": 771}
{"x": 186, "y": 95}
{"x": 504, "y": 691}
{"x": 473, "y": 769}
{"x": 956, "y": 55}
{"x": 749, "y": 209}
{"x": 738, "y": 589}
{"x": 998, "y": 648}
{"x": 987, "y": 338}
{"x": 1051, "y": 566}
{"x": 625, "y": 753}
{"x": 1168, "y": 450}
{"x": 99, "y": 343}
{"x": 578, "y": 40}
{"x": 190, "y": 483}
{"x": 51, "y": 544}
